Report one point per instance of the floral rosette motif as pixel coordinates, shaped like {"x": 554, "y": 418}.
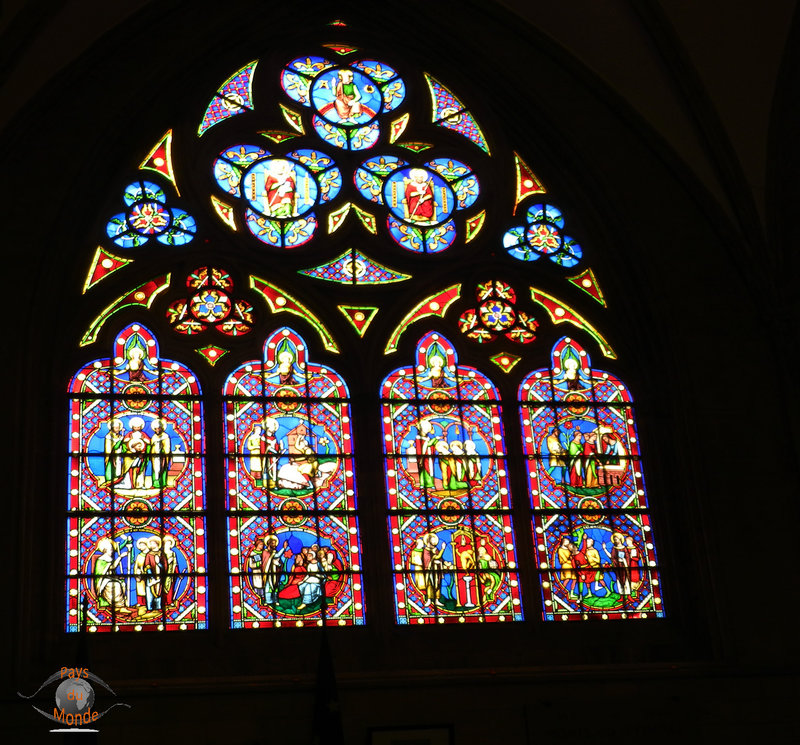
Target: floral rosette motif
{"x": 496, "y": 315}
{"x": 147, "y": 216}
{"x": 210, "y": 305}
{"x": 346, "y": 99}
{"x": 421, "y": 199}
{"x": 542, "y": 235}
{"x": 279, "y": 192}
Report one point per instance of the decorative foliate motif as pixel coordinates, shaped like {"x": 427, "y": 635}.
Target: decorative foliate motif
{"x": 542, "y": 235}
{"x": 278, "y": 192}
{"x": 496, "y": 315}
{"x": 347, "y": 100}
{"x": 421, "y": 199}
{"x": 148, "y": 216}
{"x": 210, "y": 305}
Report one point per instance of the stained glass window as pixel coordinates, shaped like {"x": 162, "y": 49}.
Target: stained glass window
{"x": 449, "y": 505}
{"x": 136, "y": 525}
{"x": 594, "y": 543}
{"x": 293, "y": 544}
{"x": 344, "y": 212}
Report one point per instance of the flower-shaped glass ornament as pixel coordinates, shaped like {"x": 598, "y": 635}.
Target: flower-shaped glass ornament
{"x": 148, "y": 216}
{"x": 543, "y": 235}
{"x": 347, "y": 100}
{"x": 496, "y": 314}
{"x": 421, "y": 199}
{"x": 210, "y": 305}
{"x": 279, "y": 193}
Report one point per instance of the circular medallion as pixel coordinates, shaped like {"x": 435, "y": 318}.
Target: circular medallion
{"x": 279, "y": 188}
{"x": 293, "y": 509}
{"x": 440, "y": 402}
{"x": 346, "y": 97}
{"x": 134, "y": 396}
{"x": 419, "y": 196}
{"x": 286, "y": 400}
{"x": 590, "y": 503}
{"x": 137, "y": 512}
{"x": 574, "y": 408}
{"x": 451, "y": 509}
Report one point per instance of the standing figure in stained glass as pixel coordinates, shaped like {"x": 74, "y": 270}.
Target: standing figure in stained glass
{"x": 109, "y": 588}
{"x": 256, "y": 445}
{"x": 271, "y": 566}
{"x": 280, "y": 189}
{"x": 113, "y": 447}
{"x": 635, "y": 564}
{"x": 254, "y": 567}
{"x": 161, "y": 452}
{"x": 621, "y": 561}
{"x": 576, "y": 459}
{"x": 418, "y": 202}
{"x": 136, "y": 444}
{"x": 170, "y": 564}
{"x": 347, "y": 96}
{"x": 465, "y": 563}
{"x": 557, "y": 455}
{"x": 590, "y": 460}
{"x": 272, "y": 449}
{"x": 138, "y": 574}
{"x": 473, "y": 462}
{"x": 567, "y": 565}
{"x": 153, "y": 573}
{"x": 433, "y": 566}
{"x": 595, "y": 573}
{"x": 427, "y": 440}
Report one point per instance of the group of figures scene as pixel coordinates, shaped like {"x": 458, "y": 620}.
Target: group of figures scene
{"x": 584, "y": 459}
{"x": 455, "y": 566}
{"x": 598, "y": 563}
{"x": 288, "y": 432}
{"x": 294, "y": 566}
{"x": 150, "y": 573}
{"x": 290, "y": 459}
{"x": 446, "y": 461}
{"x": 579, "y": 435}
{"x": 442, "y": 434}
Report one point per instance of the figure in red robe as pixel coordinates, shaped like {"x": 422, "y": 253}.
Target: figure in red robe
{"x": 419, "y": 202}
{"x": 280, "y": 190}
{"x": 292, "y": 590}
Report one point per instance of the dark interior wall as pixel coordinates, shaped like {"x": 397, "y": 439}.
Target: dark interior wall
{"x": 692, "y": 315}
